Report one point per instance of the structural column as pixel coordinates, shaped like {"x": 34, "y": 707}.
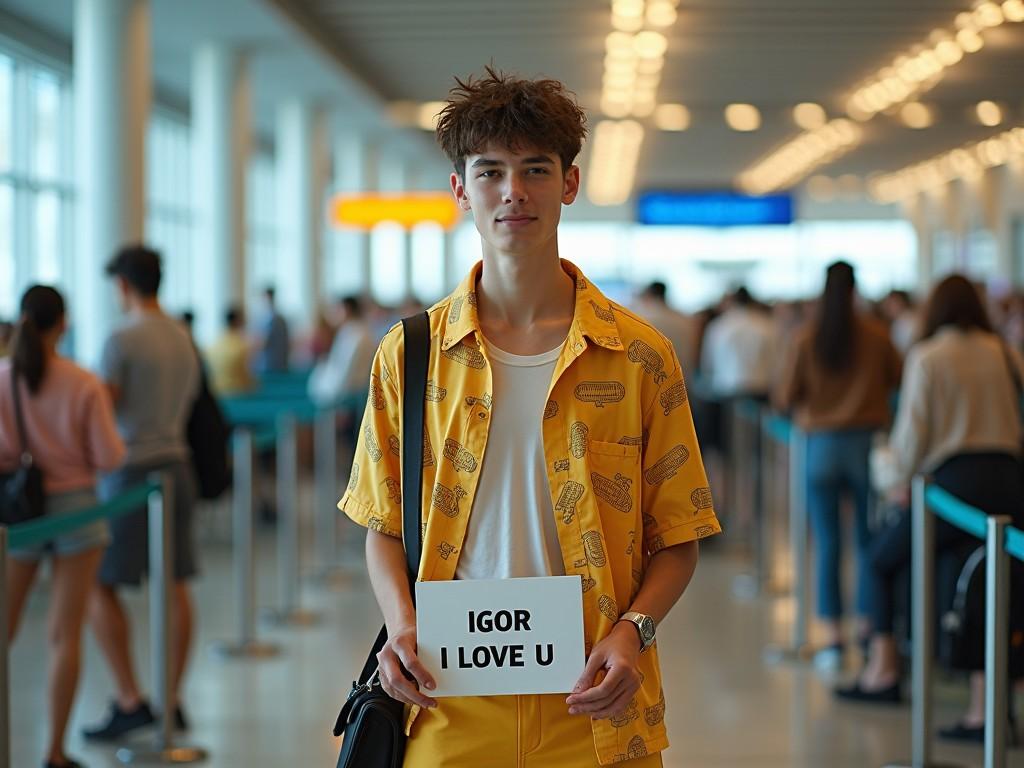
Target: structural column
{"x": 112, "y": 96}
{"x": 301, "y": 158}
{"x": 220, "y": 153}
{"x": 355, "y": 170}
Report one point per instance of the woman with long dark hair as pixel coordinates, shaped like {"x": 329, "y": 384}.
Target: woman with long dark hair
{"x": 838, "y": 383}
{"x": 69, "y": 425}
{"x": 959, "y": 421}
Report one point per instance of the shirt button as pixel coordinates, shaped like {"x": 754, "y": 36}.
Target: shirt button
{"x": 482, "y": 415}
{"x": 579, "y": 347}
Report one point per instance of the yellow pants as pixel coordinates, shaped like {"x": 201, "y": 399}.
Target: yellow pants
{"x": 505, "y": 732}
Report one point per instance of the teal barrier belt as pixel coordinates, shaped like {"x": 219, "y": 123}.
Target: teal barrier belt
{"x": 779, "y": 428}
{"x": 749, "y": 409}
{"x": 1015, "y": 543}
{"x": 46, "y": 528}
{"x": 260, "y": 411}
{"x": 955, "y": 512}
{"x": 264, "y": 440}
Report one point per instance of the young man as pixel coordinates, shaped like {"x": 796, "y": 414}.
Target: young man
{"x": 152, "y": 371}
{"x": 558, "y": 441}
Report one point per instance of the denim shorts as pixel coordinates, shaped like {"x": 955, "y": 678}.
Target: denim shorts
{"x": 90, "y": 536}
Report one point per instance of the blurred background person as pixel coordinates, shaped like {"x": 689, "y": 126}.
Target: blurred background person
{"x": 71, "y": 434}
{"x": 841, "y": 372}
{"x": 899, "y": 312}
{"x": 6, "y": 331}
{"x": 677, "y": 327}
{"x": 959, "y": 421}
{"x": 274, "y": 351}
{"x": 228, "y": 358}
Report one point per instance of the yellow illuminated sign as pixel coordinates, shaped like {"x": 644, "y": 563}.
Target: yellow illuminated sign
{"x": 366, "y": 210}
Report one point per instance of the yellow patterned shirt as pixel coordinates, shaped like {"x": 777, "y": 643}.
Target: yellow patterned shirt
{"x": 623, "y": 465}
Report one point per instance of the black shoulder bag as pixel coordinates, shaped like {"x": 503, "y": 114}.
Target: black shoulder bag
{"x": 21, "y": 491}
{"x": 372, "y": 722}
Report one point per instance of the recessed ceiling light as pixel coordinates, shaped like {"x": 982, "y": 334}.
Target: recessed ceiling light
{"x": 1013, "y": 10}
{"x": 650, "y": 45}
{"x": 989, "y": 113}
{"x": 916, "y": 115}
{"x": 672, "y": 117}
{"x": 743, "y": 117}
{"x": 661, "y": 13}
{"x": 970, "y": 40}
{"x": 428, "y": 114}
{"x": 809, "y": 115}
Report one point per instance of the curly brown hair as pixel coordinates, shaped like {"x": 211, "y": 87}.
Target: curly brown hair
{"x": 509, "y": 111}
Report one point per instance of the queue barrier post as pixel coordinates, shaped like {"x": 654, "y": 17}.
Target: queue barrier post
{"x": 997, "y": 621}
{"x": 289, "y": 610}
{"x": 243, "y": 561}
{"x": 325, "y": 520}
{"x": 5, "y": 683}
{"x": 798, "y": 649}
{"x": 161, "y": 584}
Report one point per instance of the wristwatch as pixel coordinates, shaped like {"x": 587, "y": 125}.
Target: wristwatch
{"x": 644, "y": 625}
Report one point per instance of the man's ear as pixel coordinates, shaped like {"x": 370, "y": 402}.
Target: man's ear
{"x": 571, "y": 185}
{"x": 459, "y": 192}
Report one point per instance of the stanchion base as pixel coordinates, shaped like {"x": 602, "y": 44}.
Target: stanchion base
{"x": 778, "y": 654}
{"x": 296, "y": 618}
{"x": 910, "y": 764}
{"x": 250, "y": 650}
{"x": 161, "y": 756}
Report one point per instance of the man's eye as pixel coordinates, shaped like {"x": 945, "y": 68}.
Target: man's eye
{"x": 487, "y": 174}
{"x": 538, "y": 170}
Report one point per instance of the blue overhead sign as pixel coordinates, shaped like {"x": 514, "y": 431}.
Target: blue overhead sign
{"x": 713, "y": 209}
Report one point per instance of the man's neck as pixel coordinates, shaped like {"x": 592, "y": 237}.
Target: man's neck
{"x": 148, "y": 305}
{"x": 525, "y": 301}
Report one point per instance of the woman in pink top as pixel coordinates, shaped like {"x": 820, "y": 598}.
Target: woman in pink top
{"x": 69, "y": 421}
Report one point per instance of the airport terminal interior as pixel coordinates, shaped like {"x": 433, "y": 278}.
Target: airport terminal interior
{"x": 749, "y": 166}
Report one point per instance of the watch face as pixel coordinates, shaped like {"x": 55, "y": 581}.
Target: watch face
{"x": 647, "y": 629}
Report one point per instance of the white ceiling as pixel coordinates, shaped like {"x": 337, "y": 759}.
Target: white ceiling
{"x": 356, "y": 55}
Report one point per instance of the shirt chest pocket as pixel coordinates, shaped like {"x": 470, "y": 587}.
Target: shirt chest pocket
{"x": 614, "y": 475}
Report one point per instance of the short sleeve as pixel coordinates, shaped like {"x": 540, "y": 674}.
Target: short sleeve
{"x": 676, "y": 499}
{"x": 373, "y": 498}
{"x": 111, "y": 362}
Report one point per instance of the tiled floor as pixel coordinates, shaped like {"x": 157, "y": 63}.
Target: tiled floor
{"x": 726, "y": 707}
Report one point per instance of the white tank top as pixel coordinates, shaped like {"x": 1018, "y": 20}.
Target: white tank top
{"x": 511, "y": 532}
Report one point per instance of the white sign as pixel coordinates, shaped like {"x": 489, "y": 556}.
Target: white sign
{"x": 502, "y": 636}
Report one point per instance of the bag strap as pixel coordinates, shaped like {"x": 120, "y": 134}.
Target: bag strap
{"x": 19, "y": 417}
{"x": 416, "y": 361}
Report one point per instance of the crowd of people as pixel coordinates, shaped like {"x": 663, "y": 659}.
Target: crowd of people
{"x": 952, "y": 363}
{"x": 832, "y": 363}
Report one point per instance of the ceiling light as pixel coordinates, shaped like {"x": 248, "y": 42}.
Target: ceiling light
{"x": 661, "y": 13}
{"x": 672, "y": 117}
{"x": 949, "y": 52}
{"x": 650, "y": 45}
{"x": 618, "y": 79}
{"x": 916, "y": 115}
{"x": 743, "y": 117}
{"x": 628, "y": 7}
{"x": 612, "y": 64}
{"x": 428, "y": 114}
{"x": 970, "y": 40}
{"x": 989, "y": 113}
{"x": 650, "y": 66}
{"x": 988, "y": 14}
{"x": 627, "y": 23}
{"x": 614, "y": 107}
{"x": 964, "y": 20}
{"x": 616, "y": 149}
{"x": 809, "y": 115}
{"x": 1013, "y": 10}
{"x": 619, "y": 44}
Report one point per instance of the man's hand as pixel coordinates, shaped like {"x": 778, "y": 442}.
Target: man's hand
{"x": 618, "y": 656}
{"x": 396, "y": 661}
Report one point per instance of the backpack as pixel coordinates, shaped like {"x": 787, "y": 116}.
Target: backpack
{"x": 208, "y": 433}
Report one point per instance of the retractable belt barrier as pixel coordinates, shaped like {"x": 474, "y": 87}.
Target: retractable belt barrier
{"x": 1001, "y": 543}
{"x": 157, "y": 494}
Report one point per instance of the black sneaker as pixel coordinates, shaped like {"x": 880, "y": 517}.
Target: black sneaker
{"x": 68, "y": 763}
{"x": 120, "y": 722}
{"x": 180, "y": 721}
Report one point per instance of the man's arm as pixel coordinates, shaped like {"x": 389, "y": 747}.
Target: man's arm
{"x": 668, "y": 574}
{"x": 385, "y": 561}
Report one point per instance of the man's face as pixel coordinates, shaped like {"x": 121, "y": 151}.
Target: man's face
{"x": 516, "y": 196}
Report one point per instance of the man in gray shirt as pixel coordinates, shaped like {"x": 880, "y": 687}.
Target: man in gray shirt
{"x": 152, "y": 371}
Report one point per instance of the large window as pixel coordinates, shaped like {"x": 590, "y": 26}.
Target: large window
{"x": 168, "y": 205}
{"x": 261, "y": 226}
{"x": 36, "y": 198}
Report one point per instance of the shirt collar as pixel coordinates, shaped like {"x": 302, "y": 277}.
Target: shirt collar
{"x": 593, "y": 316}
